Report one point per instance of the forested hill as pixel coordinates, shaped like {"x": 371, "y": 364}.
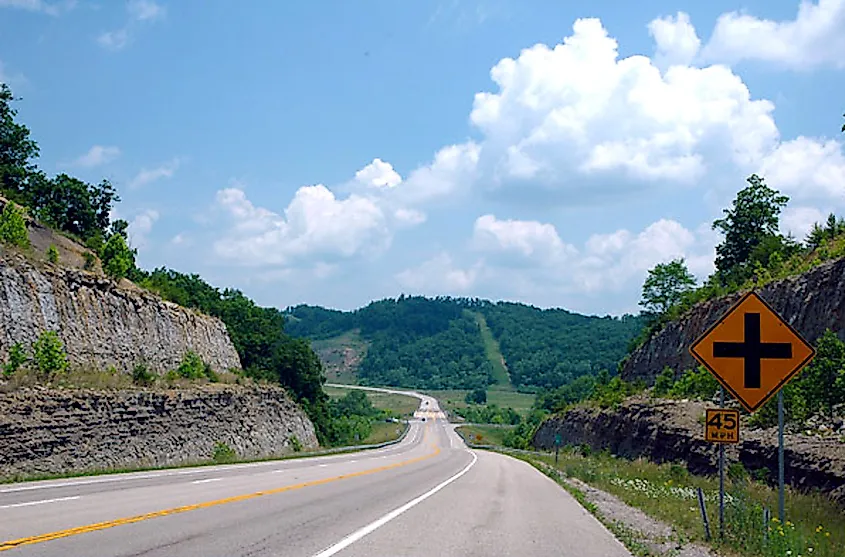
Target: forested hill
{"x": 443, "y": 342}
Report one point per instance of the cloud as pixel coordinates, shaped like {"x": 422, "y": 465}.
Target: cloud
{"x": 141, "y": 226}
{"x": 438, "y": 275}
{"x": 315, "y": 225}
{"x": 49, "y": 8}
{"x": 139, "y": 12}
{"x": 147, "y": 176}
{"x": 145, "y": 10}
{"x": 114, "y": 40}
{"x": 807, "y": 169}
{"x": 676, "y": 40}
{"x": 97, "y": 155}
{"x": 814, "y": 38}
{"x": 798, "y": 221}
{"x": 528, "y": 259}
{"x": 378, "y": 174}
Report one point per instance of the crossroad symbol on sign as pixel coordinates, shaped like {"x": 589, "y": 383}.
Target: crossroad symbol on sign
{"x": 752, "y": 351}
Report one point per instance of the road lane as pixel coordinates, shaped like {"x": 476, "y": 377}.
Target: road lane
{"x": 427, "y": 495}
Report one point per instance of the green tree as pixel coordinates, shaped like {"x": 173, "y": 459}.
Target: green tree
{"x": 823, "y": 381}
{"x": 820, "y": 234}
{"x": 17, "y": 358}
{"x": 752, "y": 219}
{"x": 13, "y": 226}
{"x": 665, "y": 287}
{"x": 17, "y": 150}
{"x": 664, "y": 382}
{"x": 476, "y": 396}
{"x": 48, "y": 354}
{"x": 117, "y": 258}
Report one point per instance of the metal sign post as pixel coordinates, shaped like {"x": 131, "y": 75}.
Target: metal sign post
{"x": 721, "y": 474}
{"x": 781, "y": 504}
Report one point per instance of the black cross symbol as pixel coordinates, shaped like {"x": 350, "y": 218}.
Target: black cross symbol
{"x": 752, "y": 350}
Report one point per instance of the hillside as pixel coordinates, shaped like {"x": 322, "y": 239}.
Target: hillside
{"x": 458, "y": 343}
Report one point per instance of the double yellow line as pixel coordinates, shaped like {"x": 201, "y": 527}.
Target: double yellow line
{"x": 12, "y": 544}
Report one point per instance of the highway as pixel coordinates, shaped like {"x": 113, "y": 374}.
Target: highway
{"x": 427, "y": 495}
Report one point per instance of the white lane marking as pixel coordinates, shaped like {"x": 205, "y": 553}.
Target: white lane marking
{"x": 29, "y": 503}
{"x": 206, "y": 481}
{"x": 323, "y": 465}
{"x": 352, "y": 461}
{"x": 373, "y": 526}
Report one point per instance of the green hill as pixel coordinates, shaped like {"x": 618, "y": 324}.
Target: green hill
{"x": 459, "y": 343}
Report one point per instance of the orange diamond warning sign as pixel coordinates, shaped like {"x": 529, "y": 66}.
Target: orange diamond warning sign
{"x": 752, "y": 351}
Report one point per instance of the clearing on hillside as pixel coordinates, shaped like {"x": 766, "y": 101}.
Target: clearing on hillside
{"x": 491, "y": 348}
{"x": 341, "y": 356}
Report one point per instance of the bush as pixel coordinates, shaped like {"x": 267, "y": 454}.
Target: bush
{"x": 612, "y": 393}
{"x": 664, "y": 382}
{"x": 49, "y": 355}
{"x": 476, "y": 396}
{"x": 192, "y": 366}
{"x": 223, "y": 453}
{"x": 141, "y": 375}
{"x": 53, "y": 254}
{"x": 17, "y": 358}
{"x": 13, "y": 226}
{"x": 117, "y": 258}
{"x": 90, "y": 261}
{"x": 295, "y": 443}
{"x": 695, "y": 384}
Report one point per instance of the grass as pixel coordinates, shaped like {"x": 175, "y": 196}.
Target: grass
{"x": 399, "y": 404}
{"x": 667, "y": 492}
{"x": 484, "y": 434}
{"x": 384, "y": 432}
{"x": 504, "y": 398}
{"x": 494, "y": 354}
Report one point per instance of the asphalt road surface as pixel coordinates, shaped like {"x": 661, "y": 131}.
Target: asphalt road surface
{"x": 428, "y": 495}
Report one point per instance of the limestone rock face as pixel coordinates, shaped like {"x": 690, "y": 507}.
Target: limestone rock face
{"x": 103, "y": 323}
{"x": 46, "y": 431}
{"x": 811, "y": 303}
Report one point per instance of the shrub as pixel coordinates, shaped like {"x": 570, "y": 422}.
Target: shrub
{"x": 476, "y": 396}
{"x": 664, "y": 382}
{"x": 17, "y": 358}
{"x": 117, "y": 258}
{"x": 192, "y": 366}
{"x": 53, "y": 254}
{"x": 295, "y": 443}
{"x": 141, "y": 375}
{"x": 223, "y": 453}
{"x": 695, "y": 384}
{"x": 90, "y": 261}
{"x": 13, "y": 226}
{"x": 49, "y": 355}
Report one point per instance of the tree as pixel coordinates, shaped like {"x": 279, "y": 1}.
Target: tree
{"x": 819, "y": 234}
{"x": 753, "y": 218}
{"x": 476, "y": 396}
{"x": 665, "y": 286}
{"x": 117, "y": 258}
{"x": 17, "y": 150}
{"x": 49, "y": 355}
{"x": 13, "y": 226}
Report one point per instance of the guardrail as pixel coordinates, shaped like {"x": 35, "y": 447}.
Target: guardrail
{"x": 353, "y": 448}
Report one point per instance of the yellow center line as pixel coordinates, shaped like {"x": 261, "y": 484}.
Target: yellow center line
{"x": 11, "y": 544}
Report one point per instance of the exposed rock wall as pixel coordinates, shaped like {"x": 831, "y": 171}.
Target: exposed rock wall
{"x": 50, "y": 431}
{"x": 102, "y": 323}
{"x": 669, "y": 431}
{"x": 811, "y": 303}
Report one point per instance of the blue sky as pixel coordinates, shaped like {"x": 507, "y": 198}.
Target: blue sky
{"x": 337, "y": 152}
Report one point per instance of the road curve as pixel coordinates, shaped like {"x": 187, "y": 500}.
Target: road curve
{"x": 428, "y": 495}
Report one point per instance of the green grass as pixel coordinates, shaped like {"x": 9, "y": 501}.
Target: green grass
{"x": 490, "y": 434}
{"x": 384, "y": 432}
{"x": 452, "y": 399}
{"x": 400, "y": 404}
{"x": 494, "y": 354}
{"x": 667, "y": 493}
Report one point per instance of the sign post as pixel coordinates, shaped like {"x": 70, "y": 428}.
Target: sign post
{"x": 557, "y": 446}
{"x": 722, "y": 470}
{"x": 753, "y": 352}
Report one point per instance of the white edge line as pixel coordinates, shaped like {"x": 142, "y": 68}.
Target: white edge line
{"x": 30, "y": 503}
{"x": 206, "y": 480}
{"x": 371, "y": 527}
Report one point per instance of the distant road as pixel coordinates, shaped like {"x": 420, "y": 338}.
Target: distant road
{"x": 429, "y": 407}
{"x": 427, "y": 495}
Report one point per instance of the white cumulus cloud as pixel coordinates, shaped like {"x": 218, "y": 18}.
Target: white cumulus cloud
{"x": 149, "y": 175}
{"x": 438, "y": 275}
{"x": 379, "y": 174}
{"x": 814, "y": 38}
{"x": 676, "y": 40}
{"x": 141, "y": 226}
